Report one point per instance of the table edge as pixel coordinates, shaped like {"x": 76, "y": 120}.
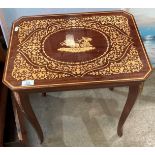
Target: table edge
{"x": 77, "y": 83}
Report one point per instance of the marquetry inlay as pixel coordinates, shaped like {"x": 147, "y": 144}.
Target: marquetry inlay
{"x": 34, "y": 61}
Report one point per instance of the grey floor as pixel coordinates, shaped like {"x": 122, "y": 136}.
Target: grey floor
{"x": 90, "y": 117}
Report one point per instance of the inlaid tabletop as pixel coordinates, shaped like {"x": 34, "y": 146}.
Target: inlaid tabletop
{"x": 74, "y": 49}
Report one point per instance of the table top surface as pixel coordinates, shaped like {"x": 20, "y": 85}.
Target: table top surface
{"x": 74, "y": 49}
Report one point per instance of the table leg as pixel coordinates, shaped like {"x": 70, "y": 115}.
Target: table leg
{"x": 23, "y": 102}
{"x": 134, "y": 91}
{"x": 19, "y": 119}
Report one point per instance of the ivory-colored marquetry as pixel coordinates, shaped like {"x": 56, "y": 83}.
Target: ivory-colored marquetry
{"x": 82, "y": 45}
{"x": 32, "y": 62}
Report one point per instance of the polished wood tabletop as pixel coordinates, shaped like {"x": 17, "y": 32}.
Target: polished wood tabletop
{"x": 75, "y": 49}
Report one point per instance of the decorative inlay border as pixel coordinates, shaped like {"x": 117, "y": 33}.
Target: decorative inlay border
{"x": 65, "y": 84}
{"x": 32, "y": 43}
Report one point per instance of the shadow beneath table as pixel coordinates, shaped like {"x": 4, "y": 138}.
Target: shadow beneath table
{"x": 90, "y": 108}
{"x": 51, "y": 109}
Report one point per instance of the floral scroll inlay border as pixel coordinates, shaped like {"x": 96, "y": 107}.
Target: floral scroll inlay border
{"x": 31, "y": 63}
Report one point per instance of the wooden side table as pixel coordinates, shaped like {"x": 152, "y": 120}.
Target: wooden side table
{"x": 75, "y": 51}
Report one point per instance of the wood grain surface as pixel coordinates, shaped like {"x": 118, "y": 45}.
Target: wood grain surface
{"x": 61, "y": 51}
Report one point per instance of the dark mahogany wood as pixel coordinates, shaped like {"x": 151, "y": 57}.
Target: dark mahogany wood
{"x": 134, "y": 90}
{"x": 23, "y": 103}
{"x": 75, "y": 51}
{"x": 19, "y": 119}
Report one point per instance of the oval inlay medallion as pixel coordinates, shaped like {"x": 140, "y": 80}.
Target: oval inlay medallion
{"x": 75, "y": 45}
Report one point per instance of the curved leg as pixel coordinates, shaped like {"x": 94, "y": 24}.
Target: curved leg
{"x": 23, "y": 102}
{"x": 132, "y": 96}
{"x": 19, "y": 119}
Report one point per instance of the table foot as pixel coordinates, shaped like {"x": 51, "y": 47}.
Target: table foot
{"x": 23, "y": 102}
{"x": 134, "y": 91}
